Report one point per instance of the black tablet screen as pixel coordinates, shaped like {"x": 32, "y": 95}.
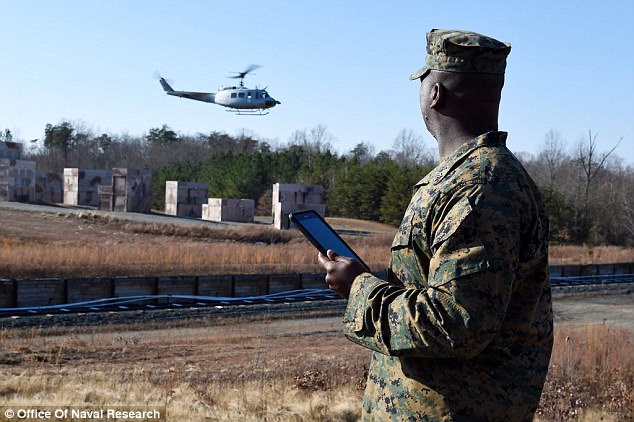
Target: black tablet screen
{"x": 322, "y": 235}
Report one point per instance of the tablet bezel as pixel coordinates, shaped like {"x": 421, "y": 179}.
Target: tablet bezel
{"x": 296, "y": 219}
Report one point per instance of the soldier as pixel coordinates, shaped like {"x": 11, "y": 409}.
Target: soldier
{"x": 462, "y": 328}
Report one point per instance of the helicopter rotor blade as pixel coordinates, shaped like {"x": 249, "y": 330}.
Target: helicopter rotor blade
{"x": 241, "y": 75}
{"x": 251, "y": 68}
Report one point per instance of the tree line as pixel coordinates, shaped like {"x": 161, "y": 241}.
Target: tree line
{"x": 589, "y": 193}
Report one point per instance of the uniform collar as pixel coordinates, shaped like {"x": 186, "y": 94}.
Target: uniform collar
{"x": 493, "y": 138}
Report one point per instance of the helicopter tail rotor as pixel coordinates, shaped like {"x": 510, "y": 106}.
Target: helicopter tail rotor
{"x": 157, "y": 75}
{"x": 165, "y": 83}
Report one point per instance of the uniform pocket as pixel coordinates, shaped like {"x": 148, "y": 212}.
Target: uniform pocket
{"x": 452, "y": 221}
{"x": 460, "y": 262}
{"x": 457, "y": 249}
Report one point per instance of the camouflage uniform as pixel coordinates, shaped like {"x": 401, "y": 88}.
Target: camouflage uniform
{"x": 462, "y": 329}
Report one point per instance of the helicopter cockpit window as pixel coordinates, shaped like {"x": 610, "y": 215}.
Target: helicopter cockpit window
{"x": 264, "y": 94}
{"x": 257, "y": 95}
{"x": 241, "y": 95}
{"x": 233, "y": 95}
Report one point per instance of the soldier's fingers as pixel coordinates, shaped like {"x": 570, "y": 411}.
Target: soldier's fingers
{"x": 323, "y": 259}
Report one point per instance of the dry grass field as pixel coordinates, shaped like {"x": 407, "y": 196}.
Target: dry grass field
{"x": 262, "y": 368}
{"x": 591, "y": 374}
{"x": 90, "y": 244}
{"x": 270, "y": 369}
{"x": 297, "y": 370}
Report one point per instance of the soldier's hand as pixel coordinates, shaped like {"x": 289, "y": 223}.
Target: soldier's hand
{"x": 340, "y": 272}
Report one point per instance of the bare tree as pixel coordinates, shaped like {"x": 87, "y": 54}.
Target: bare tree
{"x": 409, "y": 149}
{"x": 312, "y": 142}
{"x": 628, "y": 211}
{"x": 315, "y": 140}
{"x": 616, "y": 196}
{"x": 590, "y": 164}
{"x": 553, "y": 156}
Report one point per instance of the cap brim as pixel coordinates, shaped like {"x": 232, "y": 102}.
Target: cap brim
{"x": 422, "y": 72}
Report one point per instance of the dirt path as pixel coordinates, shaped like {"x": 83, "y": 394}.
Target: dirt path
{"x": 206, "y": 343}
{"x": 615, "y": 309}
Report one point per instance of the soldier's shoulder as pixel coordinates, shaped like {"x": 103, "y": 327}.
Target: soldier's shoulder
{"x": 495, "y": 164}
{"x": 494, "y": 167}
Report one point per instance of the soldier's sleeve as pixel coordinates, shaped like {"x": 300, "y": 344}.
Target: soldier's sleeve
{"x": 474, "y": 253}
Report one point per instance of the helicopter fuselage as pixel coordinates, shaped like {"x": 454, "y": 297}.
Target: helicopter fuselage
{"x": 243, "y": 98}
{"x": 239, "y": 99}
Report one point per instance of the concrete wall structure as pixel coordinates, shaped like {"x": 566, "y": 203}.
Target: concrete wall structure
{"x": 222, "y": 209}
{"x": 11, "y": 150}
{"x": 49, "y": 188}
{"x": 56, "y": 291}
{"x": 288, "y": 198}
{"x": 131, "y": 190}
{"x": 105, "y": 198}
{"x": 17, "y": 180}
{"x": 185, "y": 199}
{"x": 81, "y": 186}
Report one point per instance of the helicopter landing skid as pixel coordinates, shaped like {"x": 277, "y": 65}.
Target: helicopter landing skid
{"x": 243, "y": 112}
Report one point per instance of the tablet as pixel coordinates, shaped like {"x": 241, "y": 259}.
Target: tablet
{"x": 322, "y": 235}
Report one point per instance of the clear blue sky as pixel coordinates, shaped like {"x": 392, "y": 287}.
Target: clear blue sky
{"x": 342, "y": 64}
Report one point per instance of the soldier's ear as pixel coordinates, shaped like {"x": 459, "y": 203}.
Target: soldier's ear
{"x": 438, "y": 93}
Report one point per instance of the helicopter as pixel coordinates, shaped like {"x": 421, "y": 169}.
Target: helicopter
{"x": 239, "y": 99}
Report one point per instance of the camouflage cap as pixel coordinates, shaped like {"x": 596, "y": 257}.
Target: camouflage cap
{"x": 453, "y": 50}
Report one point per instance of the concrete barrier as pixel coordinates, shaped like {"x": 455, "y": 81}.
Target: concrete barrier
{"x": 8, "y": 291}
{"x": 135, "y": 286}
{"x": 285, "y": 282}
{"x": 40, "y": 292}
{"x": 215, "y": 285}
{"x": 250, "y": 285}
{"x": 84, "y": 289}
{"x": 57, "y": 291}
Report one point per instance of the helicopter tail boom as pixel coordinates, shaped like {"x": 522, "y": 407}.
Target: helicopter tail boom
{"x": 206, "y": 97}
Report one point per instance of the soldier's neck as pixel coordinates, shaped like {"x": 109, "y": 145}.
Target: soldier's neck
{"x": 453, "y": 136}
